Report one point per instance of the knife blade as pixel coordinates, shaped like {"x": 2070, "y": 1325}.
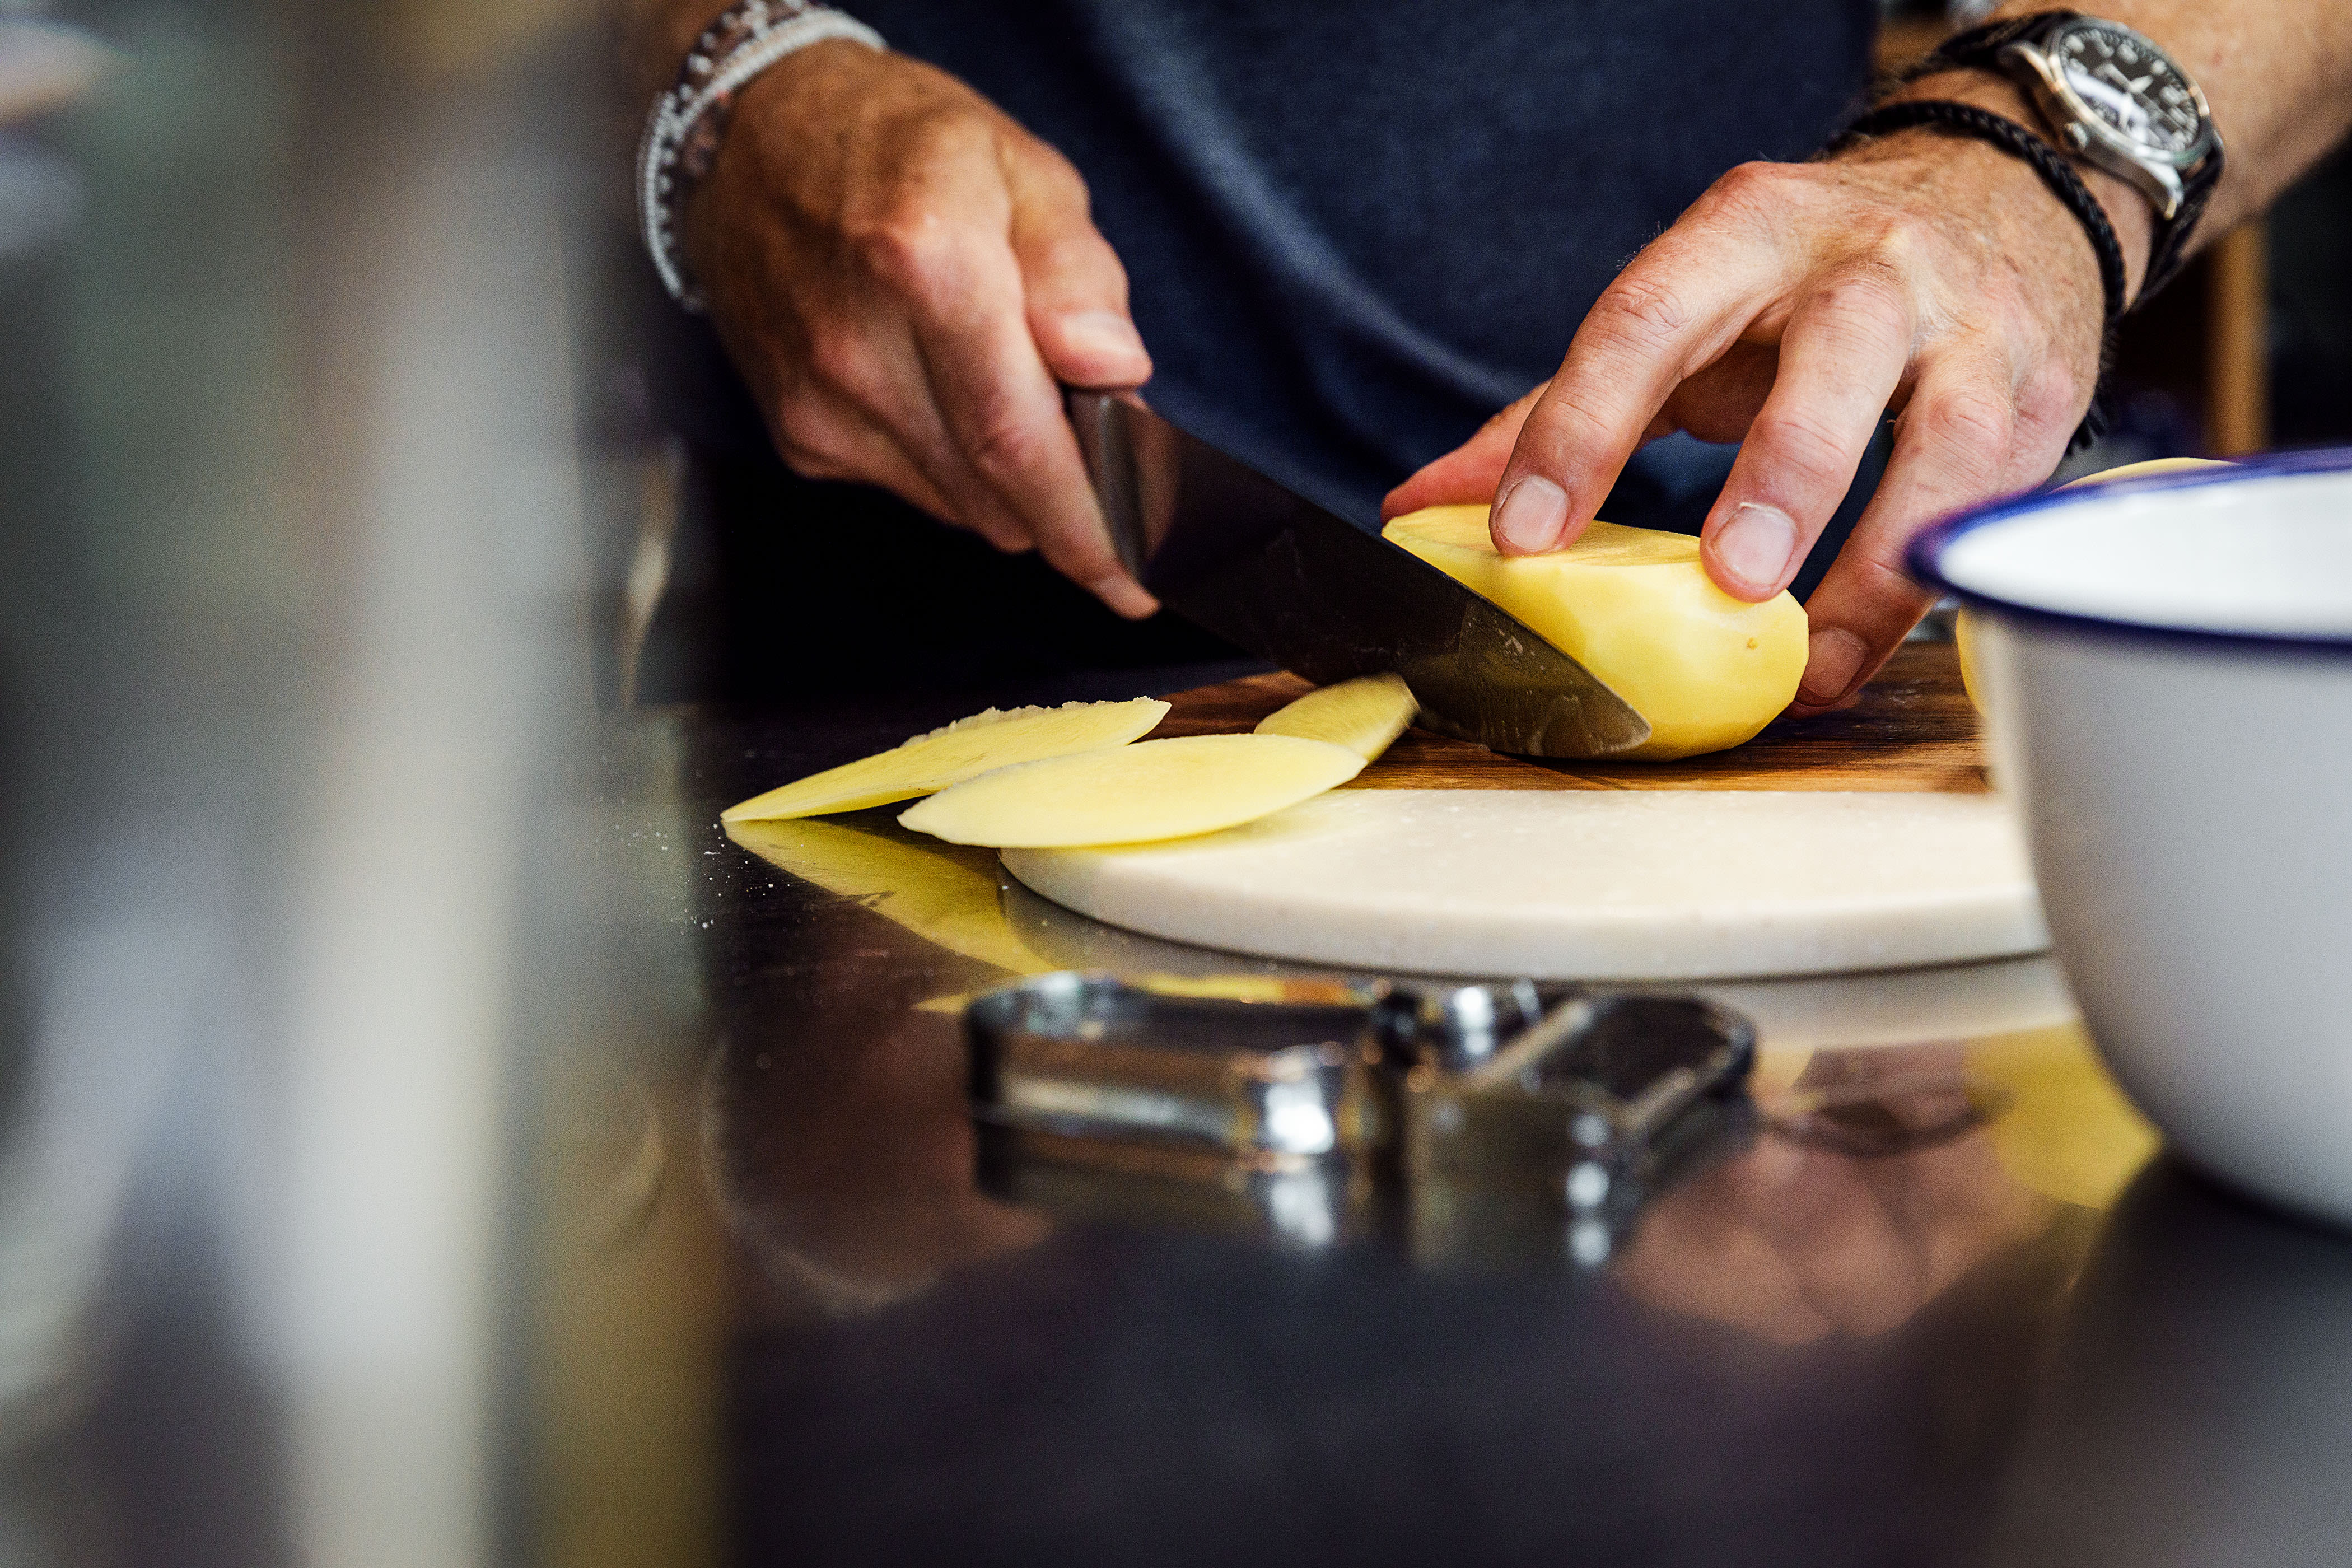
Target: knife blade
{"x": 1239, "y": 555}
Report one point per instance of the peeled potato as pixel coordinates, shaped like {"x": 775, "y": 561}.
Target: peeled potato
{"x": 1634, "y": 606}
{"x": 1364, "y": 714}
{"x": 1160, "y": 789}
{"x": 963, "y": 750}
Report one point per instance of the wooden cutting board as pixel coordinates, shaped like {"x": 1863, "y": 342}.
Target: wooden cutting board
{"x": 1912, "y": 730}
{"x": 1858, "y": 840}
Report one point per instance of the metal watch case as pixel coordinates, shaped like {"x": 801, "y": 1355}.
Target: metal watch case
{"x": 2162, "y": 176}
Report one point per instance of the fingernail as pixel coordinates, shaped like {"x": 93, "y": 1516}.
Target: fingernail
{"x": 1832, "y": 659}
{"x": 1103, "y": 332}
{"x": 1530, "y": 517}
{"x": 1756, "y": 544}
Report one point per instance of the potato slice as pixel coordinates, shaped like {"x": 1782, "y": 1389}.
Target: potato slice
{"x": 963, "y": 750}
{"x": 1160, "y": 789}
{"x": 1364, "y": 714}
{"x": 1634, "y": 606}
{"x": 2149, "y": 469}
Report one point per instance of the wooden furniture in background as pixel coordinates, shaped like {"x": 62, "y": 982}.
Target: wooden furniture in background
{"x": 2237, "y": 343}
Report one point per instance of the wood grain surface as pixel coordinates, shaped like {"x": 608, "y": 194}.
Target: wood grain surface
{"x": 1912, "y": 730}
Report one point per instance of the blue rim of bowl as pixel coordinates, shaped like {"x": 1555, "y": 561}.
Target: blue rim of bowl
{"x": 1928, "y": 549}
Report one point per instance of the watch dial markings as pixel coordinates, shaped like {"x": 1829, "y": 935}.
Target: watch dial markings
{"x": 2148, "y": 106}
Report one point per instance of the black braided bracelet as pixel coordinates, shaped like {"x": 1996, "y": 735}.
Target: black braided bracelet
{"x": 1984, "y": 125}
{"x": 1975, "y": 48}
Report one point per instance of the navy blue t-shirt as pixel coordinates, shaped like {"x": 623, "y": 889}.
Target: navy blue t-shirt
{"x": 1353, "y": 231}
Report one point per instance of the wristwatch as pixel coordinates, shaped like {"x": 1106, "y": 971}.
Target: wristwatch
{"x": 2112, "y": 97}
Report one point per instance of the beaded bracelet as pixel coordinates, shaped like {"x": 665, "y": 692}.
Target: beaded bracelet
{"x": 681, "y": 135}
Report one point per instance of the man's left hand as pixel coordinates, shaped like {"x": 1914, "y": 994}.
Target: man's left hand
{"x": 1790, "y": 308}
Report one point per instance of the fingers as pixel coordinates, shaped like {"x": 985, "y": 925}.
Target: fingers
{"x": 1004, "y": 411}
{"x": 1842, "y": 354}
{"x": 1468, "y": 473}
{"x": 865, "y": 411}
{"x": 1968, "y": 432}
{"x": 823, "y": 437}
{"x": 1681, "y": 304}
{"x": 999, "y": 321}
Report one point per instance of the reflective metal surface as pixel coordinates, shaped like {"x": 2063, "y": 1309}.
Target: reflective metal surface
{"x": 1273, "y": 1080}
{"x": 1828, "y": 1344}
{"x": 1272, "y": 572}
{"x": 1440, "y": 1098}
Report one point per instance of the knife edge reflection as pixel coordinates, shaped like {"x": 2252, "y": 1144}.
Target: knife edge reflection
{"x": 1245, "y": 558}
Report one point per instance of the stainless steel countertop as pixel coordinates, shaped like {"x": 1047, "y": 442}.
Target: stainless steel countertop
{"x": 1894, "y": 1335}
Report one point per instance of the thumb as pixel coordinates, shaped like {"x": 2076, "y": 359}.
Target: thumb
{"x": 1470, "y": 472}
{"x": 1077, "y": 294}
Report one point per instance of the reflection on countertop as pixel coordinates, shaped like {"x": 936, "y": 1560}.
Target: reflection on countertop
{"x": 2057, "y": 1126}
{"x": 837, "y": 1146}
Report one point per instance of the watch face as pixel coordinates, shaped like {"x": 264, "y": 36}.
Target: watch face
{"x": 2130, "y": 86}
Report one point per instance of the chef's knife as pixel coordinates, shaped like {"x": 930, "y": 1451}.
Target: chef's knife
{"x": 1237, "y": 553}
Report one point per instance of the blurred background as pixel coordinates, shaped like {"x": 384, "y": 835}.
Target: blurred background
{"x": 293, "y": 657}
{"x": 328, "y": 519}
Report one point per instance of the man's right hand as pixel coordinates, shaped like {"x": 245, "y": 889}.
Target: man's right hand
{"x": 904, "y": 276}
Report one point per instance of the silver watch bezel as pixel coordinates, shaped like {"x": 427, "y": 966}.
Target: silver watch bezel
{"x": 2161, "y": 176}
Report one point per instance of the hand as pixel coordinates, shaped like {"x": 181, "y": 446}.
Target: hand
{"x": 1789, "y": 309}
{"x": 903, "y": 274}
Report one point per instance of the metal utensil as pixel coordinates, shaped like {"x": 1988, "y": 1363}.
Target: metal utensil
{"x": 1284, "y": 1105}
{"x": 1592, "y": 1107}
{"x": 1237, "y": 553}
{"x": 1245, "y": 1105}
{"x": 1282, "y": 1076}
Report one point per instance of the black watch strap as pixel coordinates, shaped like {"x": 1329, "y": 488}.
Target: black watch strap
{"x": 1980, "y": 49}
{"x": 2056, "y": 174}
{"x": 2169, "y": 251}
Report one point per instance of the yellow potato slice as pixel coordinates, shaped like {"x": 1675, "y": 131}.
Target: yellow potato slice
{"x": 963, "y": 750}
{"x": 1364, "y": 714}
{"x": 1634, "y": 606}
{"x": 1160, "y": 789}
{"x": 2144, "y": 470}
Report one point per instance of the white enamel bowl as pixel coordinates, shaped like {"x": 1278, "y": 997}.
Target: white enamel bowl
{"x": 2167, "y": 665}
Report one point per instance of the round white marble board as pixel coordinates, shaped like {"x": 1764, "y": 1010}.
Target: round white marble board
{"x": 1581, "y": 884}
